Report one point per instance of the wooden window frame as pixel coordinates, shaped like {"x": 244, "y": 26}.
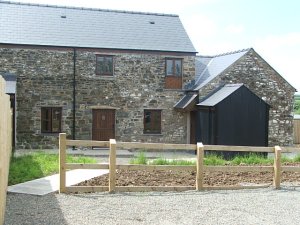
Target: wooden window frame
{"x": 105, "y": 73}
{"x": 152, "y": 129}
{"x": 50, "y": 119}
{"x": 173, "y": 67}
{"x": 173, "y": 81}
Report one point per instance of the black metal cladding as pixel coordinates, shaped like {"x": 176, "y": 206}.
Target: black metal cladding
{"x": 240, "y": 119}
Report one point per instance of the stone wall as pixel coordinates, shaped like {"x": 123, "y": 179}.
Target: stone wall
{"x": 266, "y": 83}
{"x": 45, "y": 78}
{"x": 138, "y": 84}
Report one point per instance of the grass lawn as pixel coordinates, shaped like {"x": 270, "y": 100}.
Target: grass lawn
{"x": 37, "y": 165}
{"x": 212, "y": 160}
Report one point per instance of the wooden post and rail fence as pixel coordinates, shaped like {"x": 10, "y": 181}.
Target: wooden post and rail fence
{"x": 200, "y": 168}
{"x": 296, "y": 125}
{"x": 5, "y": 145}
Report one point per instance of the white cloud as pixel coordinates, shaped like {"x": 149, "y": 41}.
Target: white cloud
{"x": 199, "y": 25}
{"x": 282, "y": 53}
{"x": 235, "y": 29}
{"x": 208, "y": 36}
{"x": 277, "y": 41}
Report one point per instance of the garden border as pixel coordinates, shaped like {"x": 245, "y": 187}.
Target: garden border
{"x": 277, "y": 168}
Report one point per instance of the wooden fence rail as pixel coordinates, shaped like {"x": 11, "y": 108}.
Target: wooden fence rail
{"x": 296, "y": 124}
{"x": 199, "y": 167}
{"x": 5, "y": 145}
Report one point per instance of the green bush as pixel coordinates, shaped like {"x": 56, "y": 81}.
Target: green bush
{"x": 214, "y": 160}
{"x": 179, "y": 162}
{"x": 297, "y": 106}
{"x": 251, "y": 159}
{"x": 140, "y": 159}
{"x": 297, "y": 158}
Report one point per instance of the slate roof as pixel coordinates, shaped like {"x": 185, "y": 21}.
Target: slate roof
{"x": 220, "y": 95}
{"x": 186, "y": 100}
{"x": 209, "y": 67}
{"x": 34, "y": 24}
{"x": 10, "y": 82}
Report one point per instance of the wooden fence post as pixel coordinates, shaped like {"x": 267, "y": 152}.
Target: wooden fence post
{"x": 277, "y": 166}
{"x": 112, "y": 165}
{"x": 200, "y": 162}
{"x": 62, "y": 163}
{"x": 5, "y": 146}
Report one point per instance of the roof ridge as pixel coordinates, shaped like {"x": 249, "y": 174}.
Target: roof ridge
{"x": 90, "y": 9}
{"x": 233, "y": 84}
{"x": 204, "y": 56}
{"x": 226, "y": 53}
{"x": 233, "y": 52}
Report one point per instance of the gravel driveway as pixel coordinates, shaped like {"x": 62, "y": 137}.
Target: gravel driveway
{"x": 260, "y": 206}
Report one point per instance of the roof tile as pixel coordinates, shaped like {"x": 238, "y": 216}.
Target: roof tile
{"x": 34, "y": 24}
{"x": 209, "y": 67}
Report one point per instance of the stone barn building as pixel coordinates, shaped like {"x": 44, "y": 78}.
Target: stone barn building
{"x": 100, "y": 74}
{"x": 248, "y": 68}
{"x": 95, "y": 74}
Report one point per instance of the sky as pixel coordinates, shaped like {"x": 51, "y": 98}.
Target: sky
{"x": 271, "y": 27}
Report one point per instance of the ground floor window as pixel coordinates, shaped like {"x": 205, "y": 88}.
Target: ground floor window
{"x": 152, "y": 121}
{"x": 51, "y": 119}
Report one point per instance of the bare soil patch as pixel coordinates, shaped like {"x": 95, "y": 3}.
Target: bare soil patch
{"x": 175, "y": 178}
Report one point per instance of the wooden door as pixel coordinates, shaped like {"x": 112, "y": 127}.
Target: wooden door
{"x": 103, "y": 124}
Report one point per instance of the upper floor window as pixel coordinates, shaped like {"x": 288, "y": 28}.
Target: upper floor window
{"x": 152, "y": 121}
{"x": 104, "y": 65}
{"x": 51, "y": 119}
{"x": 173, "y": 67}
{"x": 173, "y": 79}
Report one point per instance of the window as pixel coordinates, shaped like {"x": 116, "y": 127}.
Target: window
{"x": 152, "y": 121}
{"x": 173, "y": 67}
{"x": 173, "y": 79}
{"x": 51, "y": 119}
{"x": 104, "y": 65}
